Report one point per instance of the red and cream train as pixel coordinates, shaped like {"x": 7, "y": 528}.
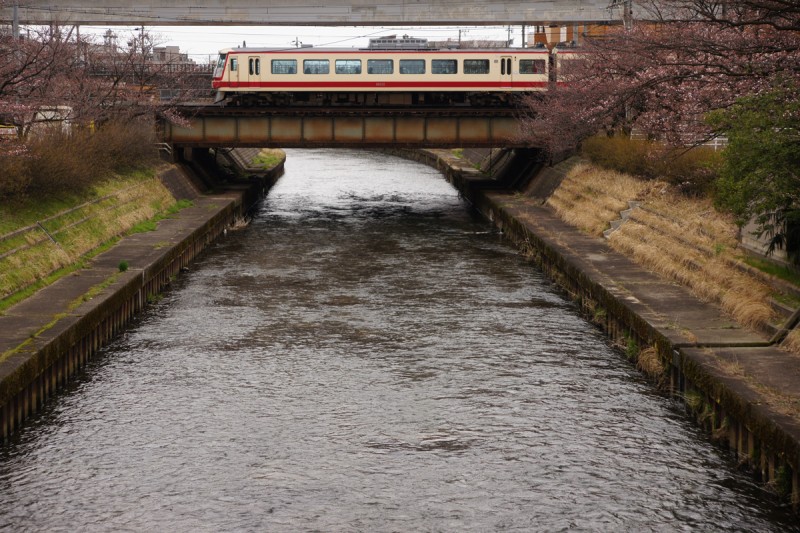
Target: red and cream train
{"x": 320, "y": 76}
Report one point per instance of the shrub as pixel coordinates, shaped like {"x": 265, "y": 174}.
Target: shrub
{"x": 14, "y": 176}
{"x": 692, "y": 170}
{"x": 55, "y": 160}
{"x": 619, "y": 153}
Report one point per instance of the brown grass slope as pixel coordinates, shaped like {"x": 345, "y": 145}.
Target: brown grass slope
{"x": 682, "y": 239}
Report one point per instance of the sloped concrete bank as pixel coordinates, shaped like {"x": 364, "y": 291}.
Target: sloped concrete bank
{"x": 47, "y": 338}
{"x": 732, "y": 382}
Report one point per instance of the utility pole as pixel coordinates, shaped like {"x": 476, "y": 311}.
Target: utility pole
{"x": 627, "y": 12}
{"x": 15, "y": 21}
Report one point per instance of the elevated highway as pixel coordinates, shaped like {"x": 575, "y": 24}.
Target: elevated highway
{"x": 417, "y": 127}
{"x": 311, "y": 12}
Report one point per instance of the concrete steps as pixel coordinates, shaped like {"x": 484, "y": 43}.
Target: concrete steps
{"x": 623, "y": 216}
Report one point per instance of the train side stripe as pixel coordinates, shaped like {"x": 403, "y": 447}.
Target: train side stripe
{"x": 379, "y": 85}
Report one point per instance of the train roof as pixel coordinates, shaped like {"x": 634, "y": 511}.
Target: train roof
{"x": 311, "y": 51}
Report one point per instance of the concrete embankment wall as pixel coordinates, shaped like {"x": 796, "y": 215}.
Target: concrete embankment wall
{"x": 55, "y": 342}
{"x": 765, "y": 440}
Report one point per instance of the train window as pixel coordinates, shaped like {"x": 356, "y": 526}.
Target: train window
{"x": 221, "y": 61}
{"x": 234, "y": 64}
{"x": 444, "y": 66}
{"x": 258, "y": 66}
{"x": 316, "y": 66}
{"x": 380, "y": 66}
{"x": 284, "y": 66}
{"x": 412, "y": 66}
{"x": 532, "y": 66}
{"x": 348, "y": 66}
{"x": 255, "y": 66}
{"x": 476, "y": 66}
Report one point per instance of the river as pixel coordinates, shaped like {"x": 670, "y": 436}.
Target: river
{"x": 367, "y": 355}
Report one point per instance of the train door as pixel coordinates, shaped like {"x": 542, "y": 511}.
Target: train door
{"x": 253, "y": 68}
{"x": 235, "y": 68}
{"x": 506, "y": 76}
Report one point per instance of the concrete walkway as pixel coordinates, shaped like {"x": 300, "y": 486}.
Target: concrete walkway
{"x": 29, "y": 325}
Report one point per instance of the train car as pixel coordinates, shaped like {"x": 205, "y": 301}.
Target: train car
{"x": 562, "y": 64}
{"x": 320, "y": 76}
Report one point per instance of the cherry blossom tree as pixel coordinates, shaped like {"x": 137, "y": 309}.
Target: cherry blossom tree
{"x": 695, "y": 70}
{"x": 51, "y": 74}
{"x": 663, "y": 77}
{"x": 30, "y": 73}
{"x": 95, "y": 82}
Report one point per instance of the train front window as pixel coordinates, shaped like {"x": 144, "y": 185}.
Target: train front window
{"x": 476, "y": 66}
{"x": 348, "y": 66}
{"x": 316, "y": 66}
{"x": 532, "y": 66}
{"x": 412, "y": 66}
{"x": 220, "y": 66}
{"x": 444, "y": 66}
{"x": 284, "y": 66}
{"x": 380, "y": 66}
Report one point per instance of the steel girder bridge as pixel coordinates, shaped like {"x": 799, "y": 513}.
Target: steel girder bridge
{"x": 231, "y": 127}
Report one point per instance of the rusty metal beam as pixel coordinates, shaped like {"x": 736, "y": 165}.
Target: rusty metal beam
{"x": 309, "y": 130}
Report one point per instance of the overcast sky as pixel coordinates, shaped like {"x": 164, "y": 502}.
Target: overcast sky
{"x": 200, "y": 42}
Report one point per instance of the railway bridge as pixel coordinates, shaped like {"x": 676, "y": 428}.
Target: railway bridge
{"x": 211, "y": 126}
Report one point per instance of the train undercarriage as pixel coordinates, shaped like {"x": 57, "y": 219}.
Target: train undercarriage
{"x": 359, "y": 99}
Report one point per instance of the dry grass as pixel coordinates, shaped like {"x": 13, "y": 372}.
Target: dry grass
{"x": 650, "y": 363}
{"x": 590, "y": 198}
{"x": 792, "y": 341}
{"x": 682, "y": 239}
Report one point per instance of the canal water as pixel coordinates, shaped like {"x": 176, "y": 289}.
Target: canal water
{"x": 367, "y": 355}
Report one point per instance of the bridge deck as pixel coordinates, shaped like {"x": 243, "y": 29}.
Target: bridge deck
{"x": 312, "y": 12}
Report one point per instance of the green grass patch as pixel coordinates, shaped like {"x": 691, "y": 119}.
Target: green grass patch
{"x": 152, "y": 224}
{"x": 268, "y": 159}
{"x": 179, "y": 206}
{"x": 779, "y": 271}
{"x": 30, "y": 290}
{"x": 789, "y": 300}
{"x": 458, "y": 152}
{"x": 17, "y": 213}
{"x": 144, "y": 227}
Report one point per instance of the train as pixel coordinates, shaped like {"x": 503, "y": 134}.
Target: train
{"x": 401, "y": 77}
